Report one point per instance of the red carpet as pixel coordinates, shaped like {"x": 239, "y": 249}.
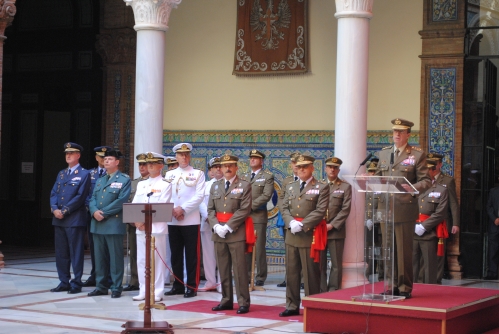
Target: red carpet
{"x": 432, "y": 309}
{"x": 256, "y": 311}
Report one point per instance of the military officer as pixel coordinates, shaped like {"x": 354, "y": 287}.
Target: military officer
{"x": 433, "y": 207}
{"x": 209, "y": 259}
{"x": 67, "y": 204}
{"x": 188, "y": 186}
{"x": 340, "y": 197}
{"x": 131, "y": 230}
{"x": 453, "y": 219}
{"x": 106, "y": 208}
{"x": 161, "y": 193}
{"x": 410, "y": 162}
{"x": 303, "y": 209}
{"x": 95, "y": 173}
{"x": 171, "y": 163}
{"x": 262, "y": 189}
{"x": 228, "y": 207}
{"x": 287, "y": 180}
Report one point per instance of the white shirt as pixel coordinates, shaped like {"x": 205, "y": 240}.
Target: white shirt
{"x": 162, "y": 193}
{"x": 188, "y": 185}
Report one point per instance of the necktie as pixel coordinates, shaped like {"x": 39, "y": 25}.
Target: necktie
{"x": 69, "y": 171}
{"x": 296, "y": 178}
{"x": 252, "y": 176}
{"x": 227, "y": 184}
{"x": 302, "y": 185}
{"x": 101, "y": 173}
{"x": 397, "y": 152}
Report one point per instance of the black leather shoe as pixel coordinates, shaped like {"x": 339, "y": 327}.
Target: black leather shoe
{"x": 259, "y": 283}
{"x": 60, "y": 288}
{"x": 302, "y": 286}
{"x": 97, "y": 292}
{"x": 282, "y": 285}
{"x": 131, "y": 288}
{"x": 174, "y": 291}
{"x": 190, "y": 293}
{"x": 490, "y": 277}
{"x": 115, "y": 294}
{"x": 289, "y": 313}
{"x": 389, "y": 292}
{"x": 73, "y": 290}
{"x": 220, "y": 307}
{"x": 242, "y": 310}
{"x": 89, "y": 282}
{"x": 407, "y": 295}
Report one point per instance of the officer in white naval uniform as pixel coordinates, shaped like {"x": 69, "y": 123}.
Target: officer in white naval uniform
{"x": 209, "y": 258}
{"x": 161, "y": 193}
{"x": 188, "y": 186}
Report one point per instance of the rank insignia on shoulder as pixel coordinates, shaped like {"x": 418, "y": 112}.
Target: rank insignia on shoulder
{"x": 387, "y": 148}
{"x": 417, "y": 148}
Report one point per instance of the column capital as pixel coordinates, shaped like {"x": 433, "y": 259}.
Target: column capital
{"x": 152, "y": 14}
{"x": 7, "y": 11}
{"x": 354, "y": 9}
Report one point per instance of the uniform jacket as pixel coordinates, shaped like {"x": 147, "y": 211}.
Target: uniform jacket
{"x": 262, "y": 189}
{"x": 411, "y": 163}
{"x": 162, "y": 193}
{"x": 493, "y": 209}
{"x": 287, "y": 180}
{"x": 340, "y": 198}
{"x": 448, "y": 182}
{"x": 133, "y": 188}
{"x": 188, "y": 192}
{"x": 237, "y": 200}
{"x": 109, "y": 196}
{"x": 310, "y": 204}
{"x": 69, "y": 194}
{"x": 372, "y": 199}
{"x": 434, "y": 202}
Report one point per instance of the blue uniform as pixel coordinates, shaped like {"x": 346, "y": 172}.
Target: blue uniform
{"x": 69, "y": 195}
{"x": 109, "y": 195}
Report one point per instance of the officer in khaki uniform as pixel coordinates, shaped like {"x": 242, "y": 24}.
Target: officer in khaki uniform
{"x": 453, "y": 219}
{"x": 262, "y": 189}
{"x": 433, "y": 203}
{"x": 410, "y": 162}
{"x": 228, "y": 207}
{"x": 133, "y": 284}
{"x": 340, "y": 197}
{"x": 287, "y": 180}
{"x": 304, "y": 207}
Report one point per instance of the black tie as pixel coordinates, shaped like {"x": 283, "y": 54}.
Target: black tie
{"x": 101, "y": 173}
{"x": 302, "y": 185}
{"x": 252, "y": 176}
{"x": 69, "y": 171}
{"x": 227, "y": 184}
{"x": 296, "y": 178}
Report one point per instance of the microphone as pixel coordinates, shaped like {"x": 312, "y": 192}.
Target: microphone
{"x": 150, "y": 194}
{"x": 391, "y": 158}
{"x": 367, "y": 158}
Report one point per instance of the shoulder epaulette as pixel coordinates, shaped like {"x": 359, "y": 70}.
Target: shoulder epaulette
{"x": 125, "y": 175}
{"x": 266, "y": 171}
{"x": 169, "y": 181}
{"x": 417, "y": 148}
{"x": 387, "y": 148}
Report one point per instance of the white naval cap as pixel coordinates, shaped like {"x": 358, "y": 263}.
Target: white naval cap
{"x": 171, "y": 160}
{"x": 182, "y": 147}
{"x": 155, "y": 157}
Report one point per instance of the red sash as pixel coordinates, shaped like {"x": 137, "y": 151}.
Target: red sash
{"x": 441, "y": 230}
{"x": 319, "y": 241}
{"x": 223, "y": 217}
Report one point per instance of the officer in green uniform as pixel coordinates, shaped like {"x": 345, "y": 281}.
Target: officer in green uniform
{"x": 433, "y": 204}
{"x": 340, "y": 198}
{"x": 262, "y": 189}
{"x": 410, "y": 162}
{"x": 106, "y": 208}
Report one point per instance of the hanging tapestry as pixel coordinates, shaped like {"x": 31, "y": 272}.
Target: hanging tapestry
{"x": 271, "y": 37}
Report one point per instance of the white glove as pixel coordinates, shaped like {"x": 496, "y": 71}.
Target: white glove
{"x": 227, "y": 229}
{"x": 220, "y": 230}
{"x": 295, "y": 226}
{"x": 419, "y": 229}
{"x": 369, "y": 224}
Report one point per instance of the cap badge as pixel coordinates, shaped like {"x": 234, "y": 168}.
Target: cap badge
{"x": 301, "y": 158}
{"x": 398, "y": 122}
{"x": 104, "y": 149}
{"x": 184, "y": 147}
{"x": 149, "y": 155}
{"x": 168, "y": 160}
{"x": 226, "y": 157}
{"x": 430, "y": 155}
{"x": 254, "y": 151}
{"x": 68, "y": 145}
{"x": 335, "y": 160}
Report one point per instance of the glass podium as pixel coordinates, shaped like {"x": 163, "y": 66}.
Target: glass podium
{"x": 380, "y": 192}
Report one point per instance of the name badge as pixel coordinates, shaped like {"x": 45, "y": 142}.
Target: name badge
{"x": 117, "y": 185}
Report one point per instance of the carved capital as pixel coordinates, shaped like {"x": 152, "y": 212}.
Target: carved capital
{"x": 354, "y": 8}
{"x": 7, "y": 11}
{"x": 152, "y": 14}
{"x": 117, "y": 46}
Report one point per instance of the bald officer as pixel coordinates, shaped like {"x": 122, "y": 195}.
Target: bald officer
{"x": 67, "y": 204}
{"x": 453, "y": 219}
{"x": 409, "y": 162}
{"x": 106, "y": 208}
{"x": 304, "y": 208}
{"x": 228, "y": 207}
{"x": 262, "y": 189}
{"x": 340, "y": 197}
{"x": 183, "y": 231}
{"x": 433, "y": 206}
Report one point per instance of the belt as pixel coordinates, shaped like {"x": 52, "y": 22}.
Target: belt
{"x": 442, "y": 232}
{"x": 224, "y": 217}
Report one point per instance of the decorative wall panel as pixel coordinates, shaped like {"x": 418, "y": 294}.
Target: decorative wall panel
{"x": 444, "y": 10}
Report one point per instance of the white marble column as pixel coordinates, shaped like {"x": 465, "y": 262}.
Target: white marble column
{"x": 351, "y": 120}
{"x": 151, "y": 23}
